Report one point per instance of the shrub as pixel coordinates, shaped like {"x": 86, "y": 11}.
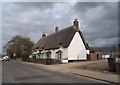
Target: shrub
{"x": 24, "y": 55}
{"x": 92, "y": 50}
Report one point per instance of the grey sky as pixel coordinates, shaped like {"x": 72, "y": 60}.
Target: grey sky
{"x": 98, "y": 20}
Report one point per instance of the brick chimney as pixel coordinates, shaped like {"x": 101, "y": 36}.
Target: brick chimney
{"x": 76, "y": 25}
{"x": 56, "y": 29}
{"x": 43, "y": 35}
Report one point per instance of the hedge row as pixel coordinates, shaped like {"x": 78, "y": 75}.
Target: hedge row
{"x": 45, "y": 61}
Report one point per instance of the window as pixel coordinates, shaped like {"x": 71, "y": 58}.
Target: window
{"x": 59, "y": 54}
{"x": 48, "y": 55}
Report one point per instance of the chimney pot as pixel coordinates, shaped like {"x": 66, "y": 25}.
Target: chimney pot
{"x": 56, "y": 29}
{"x": 76, "y": 24}
{"x": 43, "y": 35}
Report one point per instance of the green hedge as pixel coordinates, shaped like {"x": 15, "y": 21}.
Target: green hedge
{"x": 24, "y": 55}
{"x": 43, "y": 61}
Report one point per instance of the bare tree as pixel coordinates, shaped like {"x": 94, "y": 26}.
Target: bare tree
{"x": 18, "y": 44}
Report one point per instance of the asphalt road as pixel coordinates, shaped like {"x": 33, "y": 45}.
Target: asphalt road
{"x": 0, "y": 72}
{"x": 15, "y": 72}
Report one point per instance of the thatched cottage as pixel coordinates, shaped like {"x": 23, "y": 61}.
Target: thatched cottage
{"x": 65, "y": 45}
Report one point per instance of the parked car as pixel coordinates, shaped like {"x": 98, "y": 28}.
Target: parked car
{"x": 5, "y": 58}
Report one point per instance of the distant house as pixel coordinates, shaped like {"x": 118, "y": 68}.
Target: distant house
{"x": 65, "y": 45}
{"x": 104, "y": 52}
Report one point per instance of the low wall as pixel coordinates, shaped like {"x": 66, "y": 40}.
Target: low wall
{"x": 92, "y": 57}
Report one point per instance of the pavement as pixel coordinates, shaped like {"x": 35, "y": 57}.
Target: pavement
{"x": 69, "y": 68}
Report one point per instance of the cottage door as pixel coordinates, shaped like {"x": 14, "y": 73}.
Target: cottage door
{"x": 48, "y": 56}
{"x": 60, "y": 56}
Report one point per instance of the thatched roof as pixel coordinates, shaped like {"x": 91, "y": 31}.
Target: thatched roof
{"x": 62, "y": 38}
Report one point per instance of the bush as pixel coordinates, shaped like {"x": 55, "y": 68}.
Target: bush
{"x": 24, "y": 55}
{"x": 92, "y": 50}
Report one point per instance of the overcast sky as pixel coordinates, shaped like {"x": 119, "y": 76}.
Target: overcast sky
{"x": 98, "y": 20}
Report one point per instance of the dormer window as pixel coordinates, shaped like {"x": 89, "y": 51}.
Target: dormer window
{"x": 60, "y": 44}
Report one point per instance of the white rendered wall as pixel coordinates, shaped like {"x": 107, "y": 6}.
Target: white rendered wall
{"x": 76, "y": 49}
{"x": 105, "y": 56}
{"x": 52, "y": 54}
{"x": 64, "y": 52}
{"x": 88, "y": 52}
{"x": 64, "y": 56}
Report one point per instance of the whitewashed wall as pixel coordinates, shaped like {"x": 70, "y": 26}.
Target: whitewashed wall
{"x": 88, "y": 52}
{"x": 52, "y": 54}
{"x": 105, "y": 56}
{"x": 76, "y": 49}
{"x": 64, "y": 52}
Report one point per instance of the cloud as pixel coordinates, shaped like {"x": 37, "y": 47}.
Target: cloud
{"x": 98, "y": 20}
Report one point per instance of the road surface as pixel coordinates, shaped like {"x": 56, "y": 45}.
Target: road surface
{"x": 16, "y": 72}
{"x": 0, "y": 72}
